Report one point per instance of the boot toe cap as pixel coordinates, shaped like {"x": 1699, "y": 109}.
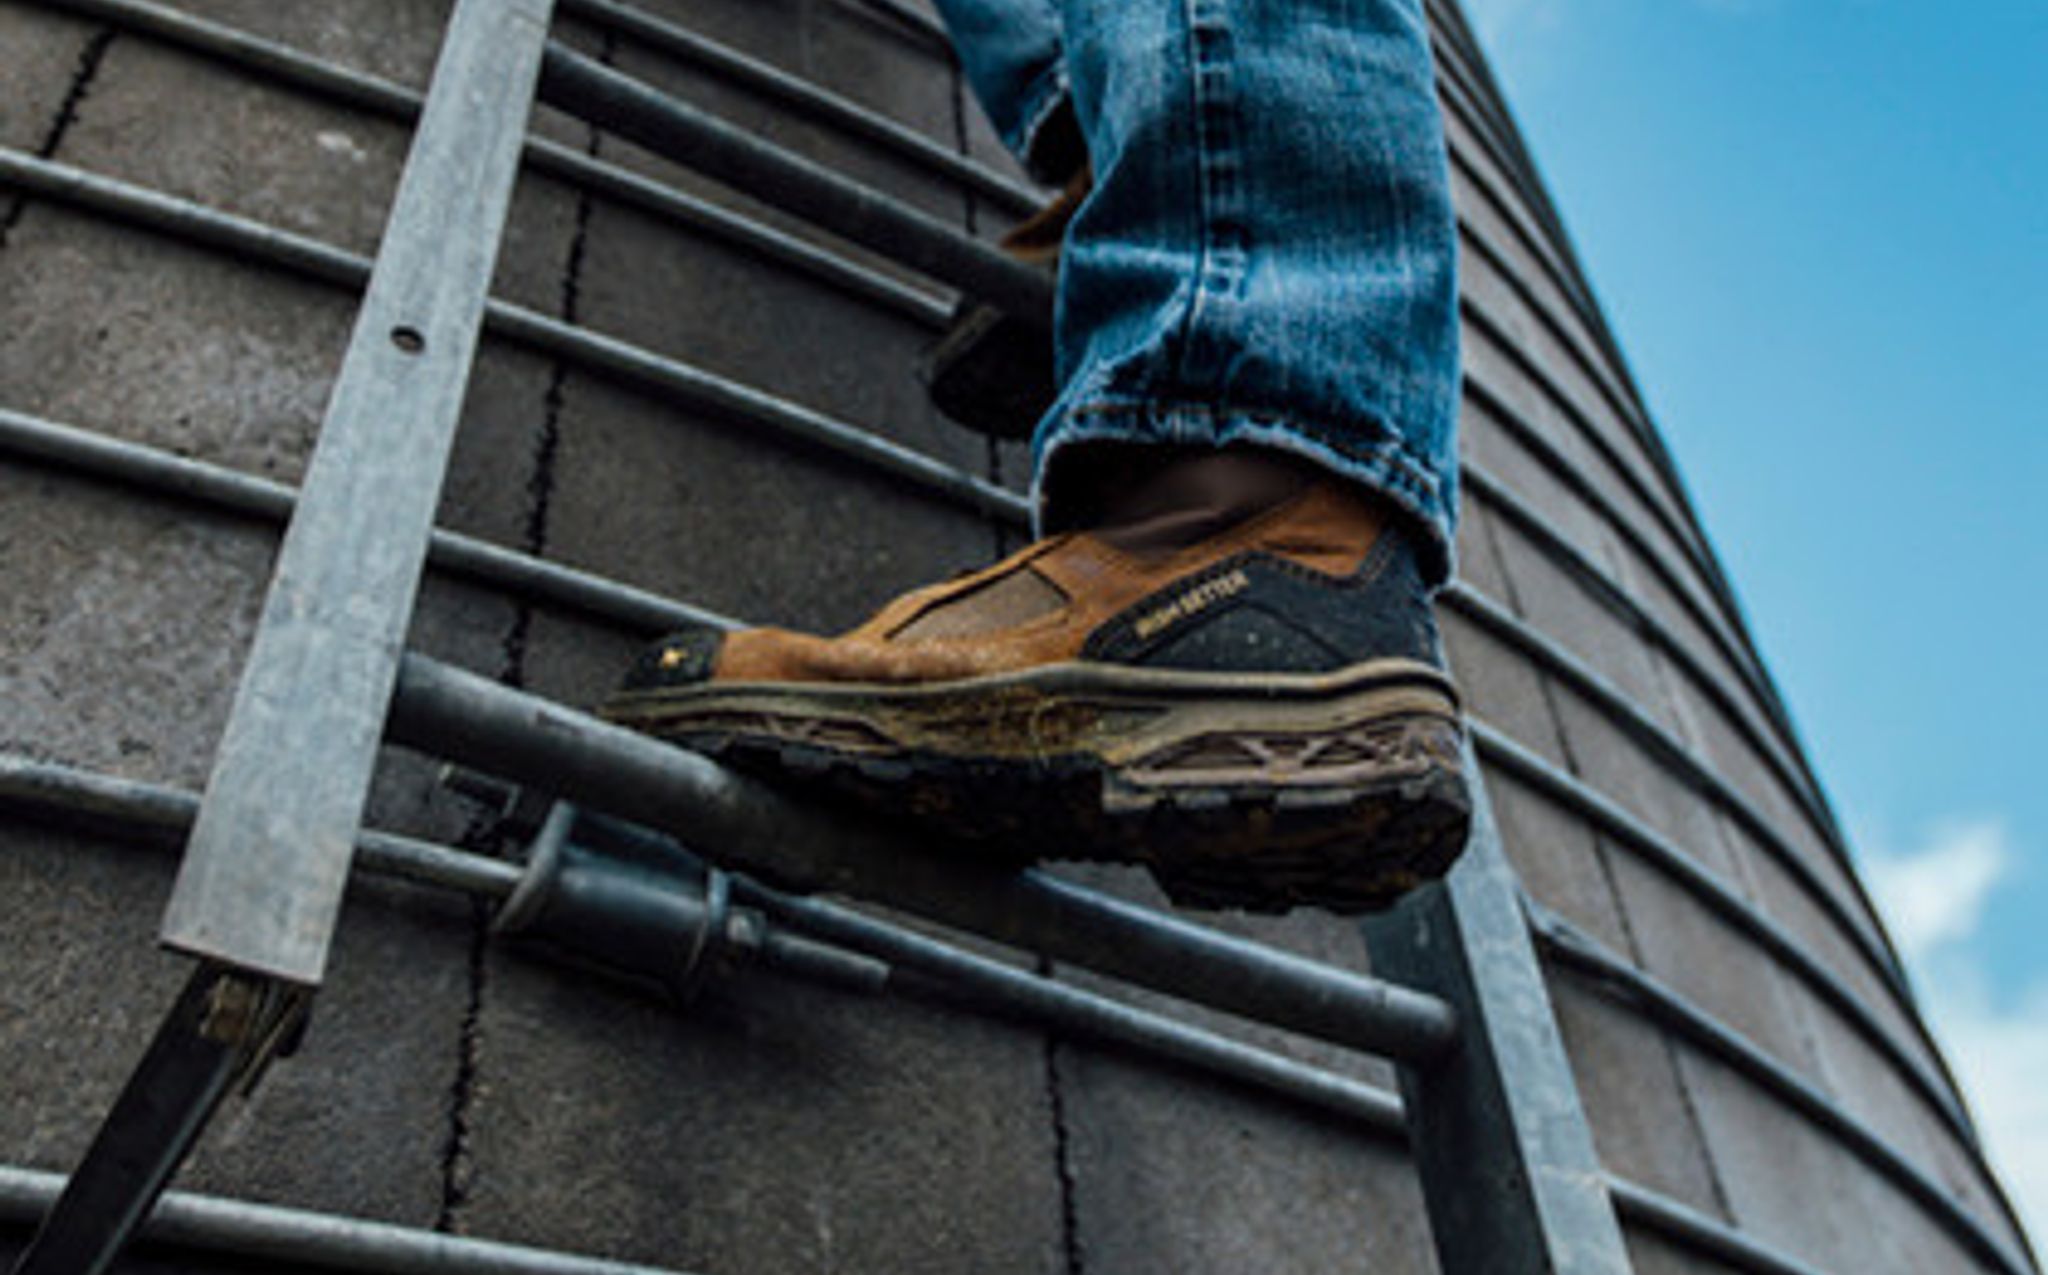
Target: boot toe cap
{"x": 684, "y": 658}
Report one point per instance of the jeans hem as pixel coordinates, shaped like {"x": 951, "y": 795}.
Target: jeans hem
{"x": 1037, "y": 107}
{"x": 1380, "y": 463}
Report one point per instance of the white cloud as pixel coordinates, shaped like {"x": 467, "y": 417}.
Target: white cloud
{"x": 1934, "y": 901}
{"x": 1935, "y": 896}
{"x": 2001, "y": 1059}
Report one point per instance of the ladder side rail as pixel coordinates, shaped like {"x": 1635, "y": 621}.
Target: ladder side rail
{"x": 1496, "y": 1127}
{"x": 260, "y": 882}
{"x": 184, "y": 1074}
{"x": 262, "y": 877}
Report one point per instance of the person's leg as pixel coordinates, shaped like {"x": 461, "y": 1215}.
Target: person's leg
{"x": 1227, "y": 669}
{"x": 1268, "y": 254}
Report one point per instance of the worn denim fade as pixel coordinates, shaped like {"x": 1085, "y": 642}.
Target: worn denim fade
{"x": 1269, "y": 253}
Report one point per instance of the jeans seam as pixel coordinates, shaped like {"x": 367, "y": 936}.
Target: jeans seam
{"x": 1218, "y": 264}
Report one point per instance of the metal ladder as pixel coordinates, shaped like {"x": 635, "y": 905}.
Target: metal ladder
{"x": 1499, "y": 1138}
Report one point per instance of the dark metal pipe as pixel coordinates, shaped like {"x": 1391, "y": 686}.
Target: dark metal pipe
{"x": 689, "y": 386}
{"x": 471, "y": 720}
{"x": 803, "y": 97}
{"x": 590, "y": 90}
{"x": 1084, "y": 1014}
{"x": 1575, "y": 950}
{"x": 1720, "y": 898}
{"x": 68, "y": 794}
{"x": 1661, "y": 745}
{"x": 350, "y": 87}
{"x": 296, "y": 1237}
{"x": 520, "y": 574}
{"x": 159, "y": 814}
{"x": 1694, "y": 1230}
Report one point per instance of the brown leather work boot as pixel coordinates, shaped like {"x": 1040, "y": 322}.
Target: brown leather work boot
{"x": 1260, "y": 716}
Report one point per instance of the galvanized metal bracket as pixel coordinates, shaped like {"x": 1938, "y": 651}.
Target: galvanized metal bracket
{"x": 223, "y": 1029}
{"x": 598, "y": 892}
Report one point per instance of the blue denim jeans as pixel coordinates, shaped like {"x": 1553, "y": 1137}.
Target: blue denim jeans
{"x": 1268, "y": 255}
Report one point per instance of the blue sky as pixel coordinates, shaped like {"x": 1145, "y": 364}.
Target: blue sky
{"x": 1820, "y": 229}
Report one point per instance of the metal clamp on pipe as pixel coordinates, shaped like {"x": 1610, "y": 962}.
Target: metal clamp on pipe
{"x": 461, "y": 717}
{"x": 600, "y": 893}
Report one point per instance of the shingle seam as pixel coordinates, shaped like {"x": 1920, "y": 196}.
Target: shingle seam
{"x": 90, "y": 55}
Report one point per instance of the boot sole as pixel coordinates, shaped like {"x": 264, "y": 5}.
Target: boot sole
{"x": 1255, "y": 791}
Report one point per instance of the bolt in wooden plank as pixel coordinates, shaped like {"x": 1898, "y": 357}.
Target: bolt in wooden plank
{"x": 262, "y": 877}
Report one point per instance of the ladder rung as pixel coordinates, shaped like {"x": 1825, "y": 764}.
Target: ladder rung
{"x": 748, "y": 827}
{"x": 147, "y": 812}
{"x": 803, "y": 97}
{"x": 298, "y": 1238}
{"x": 699, "y": 140}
